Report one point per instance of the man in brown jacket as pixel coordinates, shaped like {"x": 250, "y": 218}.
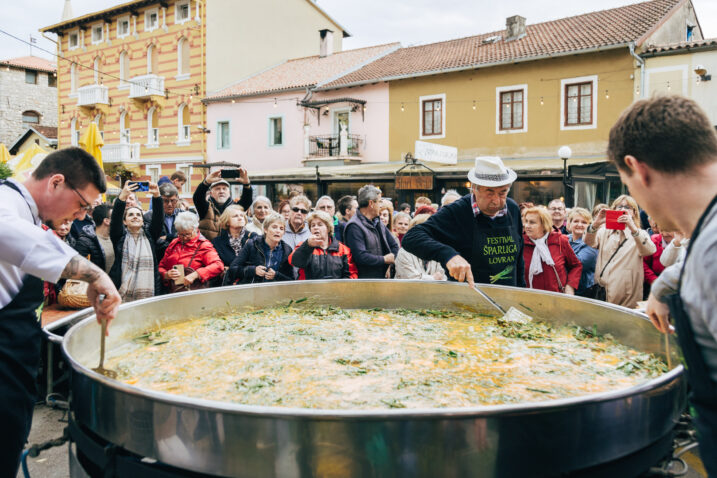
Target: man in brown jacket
{"x": 220, "y": 197}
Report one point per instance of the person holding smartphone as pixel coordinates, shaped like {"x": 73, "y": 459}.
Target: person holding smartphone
{"x": 621, "y": 245}
{"x": 213, "y": 195}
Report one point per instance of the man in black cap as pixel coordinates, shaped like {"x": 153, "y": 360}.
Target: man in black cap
{"x": 220, "y": 197}
{"x": 477, "y": 238}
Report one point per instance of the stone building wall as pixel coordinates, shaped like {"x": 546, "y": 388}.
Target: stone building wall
{"x": 17, "y": 96}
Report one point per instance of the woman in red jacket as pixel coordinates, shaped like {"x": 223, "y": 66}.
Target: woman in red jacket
{"x": 196, "y": 254}
{"x": 321, "y": 256}
{"x": 550, "y": 262}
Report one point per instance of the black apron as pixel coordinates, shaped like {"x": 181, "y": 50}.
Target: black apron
{"x": 20, "y": 346}
{"x": 703, "y": 395}
{"x": 496, "y": 250}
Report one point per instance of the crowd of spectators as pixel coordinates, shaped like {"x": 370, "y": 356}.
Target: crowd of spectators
{"x": 223, "y": 240}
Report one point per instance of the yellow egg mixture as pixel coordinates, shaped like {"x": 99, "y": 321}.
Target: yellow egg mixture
{"x": 333, "y": 358}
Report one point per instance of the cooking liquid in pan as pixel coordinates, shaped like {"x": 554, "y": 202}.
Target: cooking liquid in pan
{"x": 333, "y": 358}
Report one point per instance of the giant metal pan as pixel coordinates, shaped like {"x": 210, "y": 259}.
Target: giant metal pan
{"x": 225, "y": 439}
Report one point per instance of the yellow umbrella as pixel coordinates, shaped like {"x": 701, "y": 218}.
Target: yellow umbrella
{"x": 23, "y": 165}
{"x": 4, "y": 153}
{"x": 92, "y": 142}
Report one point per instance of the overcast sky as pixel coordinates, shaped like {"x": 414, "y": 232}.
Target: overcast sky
{"x": 370, "y": 22}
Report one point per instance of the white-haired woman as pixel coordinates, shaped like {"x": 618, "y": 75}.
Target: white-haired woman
{"x": 321, "y": 256}
{"x": 134, "y": 271}
{"x": 196, "y": 254}
{"x": 264, "y": 258}
{"x": 260, "y": 208}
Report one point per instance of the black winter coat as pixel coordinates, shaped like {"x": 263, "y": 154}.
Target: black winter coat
{"x": 89, "y": 245}
{"x": 243, "y": 268}
{"x": 225, "y": 251}
{"x": 118, "y": 234}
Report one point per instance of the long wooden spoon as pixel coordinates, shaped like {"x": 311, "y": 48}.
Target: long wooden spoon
{"x": 100, "y": 368}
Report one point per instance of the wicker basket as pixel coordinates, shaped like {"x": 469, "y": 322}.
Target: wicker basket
{"x": 74, "y": 295}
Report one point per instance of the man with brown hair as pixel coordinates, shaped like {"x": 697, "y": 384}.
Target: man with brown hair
{"x": 63, "y": 187}
{"x": 668, "y": 144}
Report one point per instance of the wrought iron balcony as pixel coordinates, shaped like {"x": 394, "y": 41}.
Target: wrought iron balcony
{"x": 120, "y": 153}
{"x": 92, "y": 95}
{"x": 145, "y": 86}
{"x": 329, "y": 145}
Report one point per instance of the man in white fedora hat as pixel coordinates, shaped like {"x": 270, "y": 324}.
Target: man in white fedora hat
{"x": 479, "y": 237}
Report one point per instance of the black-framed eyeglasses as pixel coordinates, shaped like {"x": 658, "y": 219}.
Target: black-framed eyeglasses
{"x": 87, "y": 206}
{"x": 298, "y": 209}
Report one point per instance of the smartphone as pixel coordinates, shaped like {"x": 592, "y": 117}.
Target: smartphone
{"x": 143, "y": 186}
{"x": 611, "y": 217}
{"x": 230, "y": 173}
{"x": 179, "y": 280}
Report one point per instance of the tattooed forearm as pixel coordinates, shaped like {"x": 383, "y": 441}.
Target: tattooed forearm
{"x": 81, "y": 269}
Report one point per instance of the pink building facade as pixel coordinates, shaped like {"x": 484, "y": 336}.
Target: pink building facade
{"x": 292, "y": 129}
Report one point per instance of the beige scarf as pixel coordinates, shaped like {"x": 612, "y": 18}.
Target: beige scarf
{"x": 137, "y": 268}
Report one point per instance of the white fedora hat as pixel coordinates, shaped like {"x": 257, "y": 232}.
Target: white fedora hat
{"x": 489, "y": 171}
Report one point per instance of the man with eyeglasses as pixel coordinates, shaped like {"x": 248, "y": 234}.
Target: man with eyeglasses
{"x": 297, "y": 231}
{"x": 170, "y": 200}
{"x": 62, "y": 187}
{"x": 558, "y": 213}
{"x": 213, "y": 196}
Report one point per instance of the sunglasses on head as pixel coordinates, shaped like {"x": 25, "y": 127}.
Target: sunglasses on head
{"x": 298, "y": 209}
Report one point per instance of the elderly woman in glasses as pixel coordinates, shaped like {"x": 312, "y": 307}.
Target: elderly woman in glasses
{"x": 264, "y": 258}
{"x": 196, "y": 254}
{"x": 321, "y": 256}
{"x": 134, "y": 271}
{"x": 619, "y": 266}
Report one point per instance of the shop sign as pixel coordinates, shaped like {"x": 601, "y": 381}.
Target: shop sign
{"x": 421, "y": 183}
{"x": 436, "y": 153}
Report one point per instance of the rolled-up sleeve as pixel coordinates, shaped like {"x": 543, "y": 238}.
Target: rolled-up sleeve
{"x": 34, "y": 251}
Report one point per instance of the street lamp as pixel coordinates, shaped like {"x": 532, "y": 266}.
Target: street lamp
{"x": 565, "y": 153}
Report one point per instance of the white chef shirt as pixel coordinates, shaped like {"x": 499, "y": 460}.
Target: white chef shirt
{"x": 25, "y": 248}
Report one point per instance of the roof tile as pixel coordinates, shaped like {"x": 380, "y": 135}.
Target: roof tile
{"x": 303, "y": 72}
{"x": 591, "y": 30}
{"x": 30, "y": 62}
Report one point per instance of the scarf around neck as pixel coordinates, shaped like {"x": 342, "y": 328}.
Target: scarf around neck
{"x": 137, "y": 268}
{"x": 540, "y": 254}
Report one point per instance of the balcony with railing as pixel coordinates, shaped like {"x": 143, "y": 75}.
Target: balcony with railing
{"x": 92, "y": 95}
{"x": 146, "y": 86}
{"x": 333, "y": 146}
{"x": 120, "y": 153}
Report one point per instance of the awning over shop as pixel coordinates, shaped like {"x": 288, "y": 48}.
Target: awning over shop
{"x": 387, "y": 171}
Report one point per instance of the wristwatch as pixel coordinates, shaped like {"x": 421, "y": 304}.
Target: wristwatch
{"x": 636, "y": 233}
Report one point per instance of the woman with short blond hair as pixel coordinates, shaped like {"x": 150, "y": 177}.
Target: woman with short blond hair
{"x": 619, "y": 267}
{"x": 579, "y": 220}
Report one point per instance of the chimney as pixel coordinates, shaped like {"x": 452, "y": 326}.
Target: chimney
{"x": 326, "y": 43}
{"x": 67, "y": 11}
{"x": 515, "y": 28}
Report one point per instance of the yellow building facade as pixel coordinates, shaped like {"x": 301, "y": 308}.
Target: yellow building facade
{"x": 138, "y": 71}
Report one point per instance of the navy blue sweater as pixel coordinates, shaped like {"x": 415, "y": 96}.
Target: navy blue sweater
{"x": 449, "y": 232}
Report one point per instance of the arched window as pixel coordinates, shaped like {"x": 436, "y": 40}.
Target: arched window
{"x": 30, "y": 118}
{"x": 124, "y": 68}
{"x": 152, "y": 127}
{"x": 74, "y": 133}
{"x": 125, "y": 136}
{"x": 152, "y": 60}
{"x": 183, "y": 132}
{"x": 73, "y": 79}
{"x": 183, "y": 57}
{"x": 96, "y": 67}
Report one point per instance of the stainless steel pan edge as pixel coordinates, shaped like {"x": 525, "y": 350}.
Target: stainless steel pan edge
{"x": 233, "y": 440}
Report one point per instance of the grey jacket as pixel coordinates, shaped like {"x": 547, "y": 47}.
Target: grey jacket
{"x": 698, "y": 292}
